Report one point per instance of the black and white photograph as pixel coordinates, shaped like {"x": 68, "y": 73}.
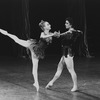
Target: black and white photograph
{"x": 49, "y": 50}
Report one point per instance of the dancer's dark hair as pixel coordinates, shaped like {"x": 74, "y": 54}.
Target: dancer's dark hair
{"x": 70, "y": 20}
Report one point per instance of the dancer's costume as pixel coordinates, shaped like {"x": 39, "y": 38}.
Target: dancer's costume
{"x": 68, "y": 42}
{"x": 39, "y": 47}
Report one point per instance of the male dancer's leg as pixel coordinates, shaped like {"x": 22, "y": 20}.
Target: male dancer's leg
{"x": 70, "y": 66}
{"x": 58, "y": 72}
{"x": 35, "y": 71}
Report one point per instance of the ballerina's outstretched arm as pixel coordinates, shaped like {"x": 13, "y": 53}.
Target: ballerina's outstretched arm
{"x": 24, "y": 43}
{"x": 47, "y": 35}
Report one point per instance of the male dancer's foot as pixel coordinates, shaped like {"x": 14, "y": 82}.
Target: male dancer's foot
{"x": 36, "y": 86}
{"x": 74, "y": 89}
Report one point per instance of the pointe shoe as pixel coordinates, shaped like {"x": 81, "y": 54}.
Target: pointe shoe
{"x": 36, "y": 86}
{"x": 74, "y": 89}
{"x": 3, "y": 31}
{"x": 50, "y": 84}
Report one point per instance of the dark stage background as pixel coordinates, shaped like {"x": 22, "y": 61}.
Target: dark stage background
{"x": 21, "y": 17}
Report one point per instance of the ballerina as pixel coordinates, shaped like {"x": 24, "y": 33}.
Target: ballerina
{"x": 36, "y": 48}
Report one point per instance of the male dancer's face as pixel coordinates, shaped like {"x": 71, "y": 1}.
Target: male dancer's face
{"x": 67, "y": 24}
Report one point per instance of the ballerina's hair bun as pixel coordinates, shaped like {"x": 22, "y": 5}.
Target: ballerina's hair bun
{"x": 41, "y": 24}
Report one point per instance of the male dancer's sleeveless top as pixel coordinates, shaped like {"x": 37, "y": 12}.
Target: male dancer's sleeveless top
{"x": 39, "y": 47}
{"x": 68, "y": 42}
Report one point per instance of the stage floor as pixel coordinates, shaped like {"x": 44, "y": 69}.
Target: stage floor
{"x": 16, "y": 79}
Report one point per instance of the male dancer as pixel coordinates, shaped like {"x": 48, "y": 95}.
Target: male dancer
{"x": 68, "y": 45}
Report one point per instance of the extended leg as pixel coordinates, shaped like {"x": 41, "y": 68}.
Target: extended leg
{"x": 70, "y": 65}
{"x": 35, "y": 72}
{"x": 57, "y": 74}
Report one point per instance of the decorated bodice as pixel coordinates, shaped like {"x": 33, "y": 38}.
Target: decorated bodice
{"x": 70, "y": 38}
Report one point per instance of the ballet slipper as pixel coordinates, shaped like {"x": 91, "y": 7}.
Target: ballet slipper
{"x": 36, "y": 86}
{"x": 50, "y": 84}
{"x": 3, "y": 31}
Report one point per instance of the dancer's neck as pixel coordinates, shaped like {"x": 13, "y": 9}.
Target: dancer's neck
{"x": 46, "y": 31}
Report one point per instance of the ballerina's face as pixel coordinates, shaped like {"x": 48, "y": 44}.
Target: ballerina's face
{"x": 47, "y": 26}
